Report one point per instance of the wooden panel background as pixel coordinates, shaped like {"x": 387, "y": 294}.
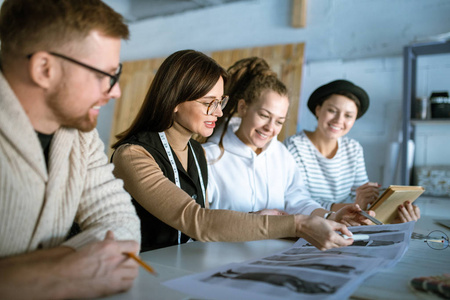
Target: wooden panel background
{"x": 286, "y": 60}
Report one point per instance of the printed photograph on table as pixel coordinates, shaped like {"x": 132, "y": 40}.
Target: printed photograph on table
{"x": 376, "y": 240}
{"x": 389, "y": 242}
{"x": 388, "y": 255}
{"x": 249, "y": 281}
{"x": 331, "y": 263}
{"x": 294, "y": 254}
{"x": 278, "y": 282}
{"x": 303, "y": 271}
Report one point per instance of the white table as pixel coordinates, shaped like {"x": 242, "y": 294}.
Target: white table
{"x": 176, "y": 261}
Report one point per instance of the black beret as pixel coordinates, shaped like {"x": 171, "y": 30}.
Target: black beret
{"x": 339, "y": 86}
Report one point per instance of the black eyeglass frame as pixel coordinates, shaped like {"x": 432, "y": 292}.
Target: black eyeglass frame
{"x": 113, "y": 78}
{"x": 212, "y": 106}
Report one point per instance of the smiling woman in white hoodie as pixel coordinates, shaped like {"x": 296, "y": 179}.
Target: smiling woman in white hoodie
{"x": 249, "y": 169}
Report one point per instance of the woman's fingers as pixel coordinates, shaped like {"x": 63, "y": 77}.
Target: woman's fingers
{"x": 408, "y": 212}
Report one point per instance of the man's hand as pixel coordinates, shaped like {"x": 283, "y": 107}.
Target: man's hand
{"x": 366, "y": 194}
{"x": 96, "y": 270}
{"x": 321, "y": 233}
{"x": 102, "y": 268}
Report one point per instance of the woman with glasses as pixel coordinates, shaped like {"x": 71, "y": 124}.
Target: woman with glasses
{"x": 165, "y": 170}
{"x": 249, "y": 170}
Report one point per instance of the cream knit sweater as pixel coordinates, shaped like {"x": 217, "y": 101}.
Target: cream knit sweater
{"x": 37, "y": 207}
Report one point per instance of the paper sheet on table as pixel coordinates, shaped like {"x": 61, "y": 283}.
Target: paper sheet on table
{"x": 302, "y": 271}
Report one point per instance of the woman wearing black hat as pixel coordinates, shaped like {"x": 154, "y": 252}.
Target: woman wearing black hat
{"x": 333, "y": 165}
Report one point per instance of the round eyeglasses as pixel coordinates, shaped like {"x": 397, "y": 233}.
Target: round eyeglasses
{"x": 212, "y": 106}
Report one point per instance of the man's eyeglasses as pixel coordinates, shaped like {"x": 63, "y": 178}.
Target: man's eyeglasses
{"x": 113, "y": 79}
{"x": 212, "y": 106}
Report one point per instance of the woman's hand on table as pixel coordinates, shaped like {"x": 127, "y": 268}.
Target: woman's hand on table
{"x": 321, "y": 233}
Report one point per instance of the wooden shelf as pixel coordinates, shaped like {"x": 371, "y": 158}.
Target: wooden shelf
{"x": 410, "y": 55}
{"x": 430, "y": 122}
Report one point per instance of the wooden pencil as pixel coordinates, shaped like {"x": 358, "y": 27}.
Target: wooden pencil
{"x": 141, "y": 262}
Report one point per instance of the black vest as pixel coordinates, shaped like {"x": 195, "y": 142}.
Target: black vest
{"x": 155, "y": 233}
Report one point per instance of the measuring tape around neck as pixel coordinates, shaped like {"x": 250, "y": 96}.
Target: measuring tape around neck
{"x": 169, "y": 153}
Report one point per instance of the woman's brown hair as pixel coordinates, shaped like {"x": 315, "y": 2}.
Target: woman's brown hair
{"x": 185, "y": 75}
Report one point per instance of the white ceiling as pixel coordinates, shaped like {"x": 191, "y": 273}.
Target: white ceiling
{"x": 138, "y": 10}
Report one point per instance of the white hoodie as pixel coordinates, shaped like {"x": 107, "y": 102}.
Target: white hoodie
{"x": 244, "y": 181}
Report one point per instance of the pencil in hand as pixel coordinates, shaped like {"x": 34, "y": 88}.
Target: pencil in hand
{"x": 141, "y": 262}
{"x": 375, "y": 221}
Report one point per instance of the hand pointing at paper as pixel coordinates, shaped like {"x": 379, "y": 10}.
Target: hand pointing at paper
{"x": 321, "y": 233}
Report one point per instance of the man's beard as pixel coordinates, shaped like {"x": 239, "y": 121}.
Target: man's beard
{"x": 64, "y": 115}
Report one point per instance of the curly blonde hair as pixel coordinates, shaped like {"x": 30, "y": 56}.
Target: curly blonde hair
{"x": 248, "y": 78}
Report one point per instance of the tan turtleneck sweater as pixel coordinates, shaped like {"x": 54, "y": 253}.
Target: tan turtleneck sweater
{"x": 146, "y": 183}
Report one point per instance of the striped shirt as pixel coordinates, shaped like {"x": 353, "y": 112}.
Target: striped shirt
{"x": 329, "y": 180}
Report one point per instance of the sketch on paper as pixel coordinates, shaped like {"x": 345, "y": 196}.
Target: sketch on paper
{"x": 303, "y": 270}
{"x": 333, "y": 263}
{"x": 377, "y": 240}
{"x": 277, "y": 281}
